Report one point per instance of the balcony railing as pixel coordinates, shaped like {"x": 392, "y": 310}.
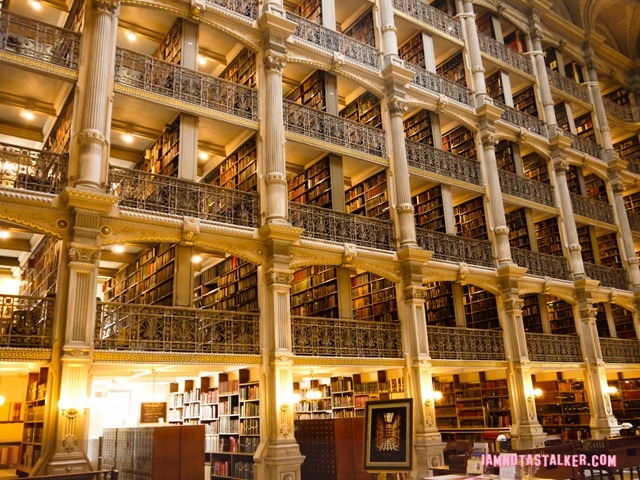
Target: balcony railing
{"x": 449, "y": 343}
{"x": 430, "y": 16}
{"x": 33, "y": 39}
{"x": 609, "y": 277}
{"x": 568, "y": 86}
{"x": 333, "y": 129}
{"x": 430, "y": 159}
{"x": 502, "y": 52}
{"x": 167, "y": 79}
{"x": 332, "y": 41}
{"x": 33, "y": 170}
{"x": 634, "y": 221}
{"x": 324, "y": 224}
{"x": 456, "y": 249}
{"x": 173, "y": 196}
{"x": 26, "y": 322}
{"x": 621, "y": 112}
{"x": 132, "y": 327}
{"x": 245, "y": 8}
{"x": 583, "y": 145}
{"x": 618, "y": 350}
{"x": 521, "y": 119}
{"x": 546, "y": 347}
{"x": 439, "y": 85}
{"x": 526, "y": 188}
{"x": 346, "y": 338}
{"x": 593, "y": 209}
{"x": 541, "y": 264}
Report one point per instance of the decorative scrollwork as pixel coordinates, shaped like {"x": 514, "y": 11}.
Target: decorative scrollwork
{"x": 33, "y": 170}
{"x": 505, "y": 54}
{"x": 85, "y": 255}
{"x": 618, "y": 350}
{"x": 454, "y": 248}
{"x": 526, "y": 188}
{"x": 431, "y": 16}
{"x": 446, "y": 89}
{"x": 545, "y": 347}
{"x": 431, "y": 159}
{"x": 465, "y": 344}
{"x": 27, "y": 322}
{"x": 527, "y": 123}
{"x": 591, "y": 208}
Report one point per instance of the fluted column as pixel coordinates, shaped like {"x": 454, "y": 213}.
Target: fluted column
{"x": 388, "y": 28}
{"x": 473, "y": 47}
{"x": 535, "y": 31}
{"x": 95, "y": 87}
{"x": 617, "y": 187}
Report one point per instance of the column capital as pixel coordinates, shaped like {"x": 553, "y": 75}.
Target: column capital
{"x": 274, "y": 63}
{"x": 397, "y": 107}
{"x": 84, "y": 254}
{"x": 560, "y": 165}
{"x": 107, "y": 6}
{"x": 413, "y": 292}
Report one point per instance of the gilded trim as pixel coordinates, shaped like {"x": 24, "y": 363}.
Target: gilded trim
{"x": 175, "y": 358}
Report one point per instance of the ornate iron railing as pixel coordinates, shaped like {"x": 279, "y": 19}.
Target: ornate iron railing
{"x": 430, "y": 159}
{"x": 583, "y": 145}
{"x": 38, "y": 40}
{"x": 431, "y": 16}
{"x": 332, "y": 41}
{"x": 502, "y": 52}
{"x": 346, "y": 338}
{"x": 633, "y": 164}
{"x": 245, "y": 8}
{"x": 541, "y": 264}
{"x": 26, "y": 322}
{"x": 526, "y": 188}
{"x": 521, "y": 119}
{"x": 124, "y": 326}
{"x": 609, "y": 277}
{"x": 33, "y": 170}
{"x": 456, "y": 249}
{"x": 593, "y": 209}
{"x": 568, "y": 86}
{"x": 619, "y": 350}
{"x": 333, "y": 129}
{"x": 164, "y": 78}
{"x": 621, "y": 112}
{"x": 451, "y": 343}
{"x": 546, "y": 347}
{"x": 440, "y": 85}
{"x": 173, "y": 196}
{"x": 634, "y": 221}
{"x": 325, "y": 224}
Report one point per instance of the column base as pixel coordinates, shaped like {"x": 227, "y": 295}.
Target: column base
{"x": 605, "y": 427}
{"x": 71, "y": 462}
{"x": 527, "y": 436}
{"x": 429, "y": 449}
{"x": 282, "y": 461}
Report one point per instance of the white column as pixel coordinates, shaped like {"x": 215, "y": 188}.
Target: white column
{"x": 596, "y": 97}
{"x": 543, "y": 76}
{"x": 473, "y": 47}
{"x": 617, "y": 186}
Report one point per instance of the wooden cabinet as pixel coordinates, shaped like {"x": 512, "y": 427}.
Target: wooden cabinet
{"x": 35, "y": 420}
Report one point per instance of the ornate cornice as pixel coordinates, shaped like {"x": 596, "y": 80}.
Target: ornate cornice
{"x": 89, "y": 199}
{"x": 25, "y": 354}
{"x": 175, "y": 358}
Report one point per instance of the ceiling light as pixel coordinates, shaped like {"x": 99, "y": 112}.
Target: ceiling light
{"x": 131, "y": 35}
{"x": 202, "y": 60}
{"x": 35, "y": 4}
{"x": 4, "y": 234}
{"x": 28, "y": 115}
{"x": 127, "y": 138}
{"x": 203, "y": 155}
{"x": 196, "y": 259}
{"x": 117, "y": 249}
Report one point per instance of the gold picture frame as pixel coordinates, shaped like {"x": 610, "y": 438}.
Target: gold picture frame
{"x": 388, "y": 435}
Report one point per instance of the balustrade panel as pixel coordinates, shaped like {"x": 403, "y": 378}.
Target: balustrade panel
{"x": 431, "y": 16}
{"x": 430, "y": 159}
{"x": 593, "y": 209}
{"x": 452, "y": 343}
{"x": 621, "y": 112}
{"x": 526, "y": 188}
{"x": 502, "y": 52}
{"x": 521, "y": 119}
{"x": 34, "y": 170}
{"x": 245, "y": 8}
{"x": 26, "y": 322}
{"x": 545, "y": 347}
{"x": 609, "y": 277}
{"x": 439, "y": 85}
{"x": 619, "y": 350}
{"x": 541, "y": 264}
{"x": 568, "y": 86}
{"x": 583, "y": 145}
{"x": 453, "y": 248}
{"x": 634, "y": 221}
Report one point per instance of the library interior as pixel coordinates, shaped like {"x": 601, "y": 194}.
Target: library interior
{"x": 233, "y": 226}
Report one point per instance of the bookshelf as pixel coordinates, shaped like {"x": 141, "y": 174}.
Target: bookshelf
{"x": 518, "y": 231}
{"x": 584, "y": 238}
{"x": 608, "y": 251}
{"x": 371, "y": 391}
{"x": 242, "y": 69}
{"x": 623, "y": 320}
{"x": 632, "y": 202}
{"x": 563, "y": 409}
{"x": 560, "y": 315}
{"x": 148, "y": 280}
{"x": 470, "y": 405}
{"x": 460, "y": 141}
{"x": 59, "y": 137}
{"x": 412, "y": 51}
{"x": 494, "y": 86}
{"x": 311, "y": 10}
{"x": 238, "y": 171}
{"x": 525, "y": 101}
{"x": 562, "y": 118}
{"x": 249, "y": 433}
{"x": 35, "y": 419}
{"x": 453, "y": 69}
{"x": 373, "y": 298}
{"x": 629, "y": 148}
{"x": 312, "y": 186}
{"x": 480, "y": 308}
{"x": 446, "y": 6}
{"x": 628, "y": 405}
{"x": 226, "y": 458}
{"x": 439, "y": 304}
{"x": 619, "y": 96}
{"x": 446, "y": 408}
{"x": 75, "y": 20}
{"x": 535, "y": 168}
{"x": 495, "y": 394}
{"x": 170, "y": 49}
{"x": 311, "y": 92}
{"x": 602, "y": 323}
{"x": 574, "y": 71}
{"x": 470, "y": 219}
{"x": 504, "y": 156}
{"x": 516, "y": 41}
{"x": 365, "y": 110}
{"x": 230, "y": 285}
{"x": 162, "y": 158}
{"x": 342, "y": 397}
{"x": 531, "y": 316}
{"x": 548, "y": 237}
{"x": 369, "y": 197}
{"x": 363, "y": 30}
{"x": 573, "y": 179}
{"x": 314, "y": 292}
{"x": 313, "y": 408}
{"x": 40, "y": 276}
{"x": 484, "y": 24}
{"x": 551, "y": 58}
{"x": 584, "y": 127}
{"x": 429, "y": 210}
{"x": 418, "y": 128}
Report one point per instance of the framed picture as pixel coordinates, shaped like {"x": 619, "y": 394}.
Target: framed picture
{"x": 388, "y": 435}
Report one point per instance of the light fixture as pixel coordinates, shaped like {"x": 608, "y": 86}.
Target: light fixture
{"x": 155, "y": 397}
{"x": 131, "y": 35}
{"x": 314, "y": 392}
{"x": 435, "y": 396}
{"x": 67, "y": 409}
{"x": 537, "y": 392}
{"x": 35, "y": 4}
{"x": 611, "y": 390}
{"x": 202, "y": 60}
{"x": 28, "y": 115}
{"x": 2, "y": 399}
{"x": 196, "y": 259}
{"x": 117, "y": 249}
{"x": 127, "y": 137}
{"x": 295, "y": 398}
{"x": 532, "y": 394}
{"x": 4, "y": 234}
{"x": 203, "y": 155}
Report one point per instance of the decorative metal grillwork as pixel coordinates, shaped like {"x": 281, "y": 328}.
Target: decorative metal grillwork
{"x": 526, "y": 188}
{"x": 164, "y": 78}
{"x": 583, "y": 145}
{"x": 456, "y": 249}
{"x": 346, "y": 338}
{"x": 33, "y": 170}
{"x": 619, "y": 350}
{"x": 503, "y": 53}
{"x": 541, "y": 264}
{"x": 246, "y": 8}
{"x": 325, "y": 224}
{"x": 465, "y": 344}
{"x": 333, "y": 129}
{"x": 546, "y": 347}
{"x": 609, "y": 277}
{"x": 621, "y": 112}
{"x": 521, "y": 119}
{"x": 173, "y": 196}
{"x": 590, "y": 208}
{"x": 26, "y": 322}
{"x": 172, "y": 329}
{"x": 332, "y": 41}
{"x": 436, "y": 83}
{"x": 568, "y": 86}
{"x": 431, "y": 16}
{"x": 38, "y": 40}
{"x": 634, "y": 221}
{"x": 426, "y": 157}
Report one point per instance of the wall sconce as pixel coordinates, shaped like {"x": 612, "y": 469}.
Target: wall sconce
{"x": 70, "y": 411}
{"x": 436, "y": 396}
{"x": 611, "y": 390}
{"x": 536, "y": 392}
{"x": 284, "y": 407}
